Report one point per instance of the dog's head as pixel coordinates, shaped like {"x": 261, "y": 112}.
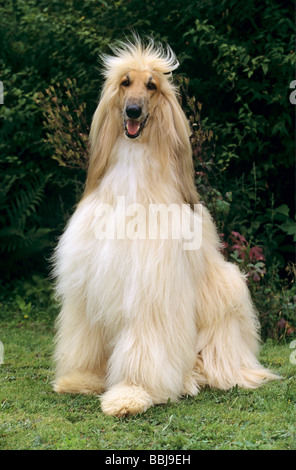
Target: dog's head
{"x": 136, "y": 76}
{"x": 139, "y": 101}
{"x": 138, "y": 98}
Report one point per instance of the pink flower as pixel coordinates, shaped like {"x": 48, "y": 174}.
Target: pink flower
{"x": 256, "y": 277}
{"x": 256, "y": 254}
{"x": 240, "y": 237}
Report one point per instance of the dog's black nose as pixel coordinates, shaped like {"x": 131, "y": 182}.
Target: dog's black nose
{"x": 133, "y": 111}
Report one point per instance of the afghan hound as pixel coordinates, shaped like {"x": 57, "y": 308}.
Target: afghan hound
{"x": 143, "y": 319}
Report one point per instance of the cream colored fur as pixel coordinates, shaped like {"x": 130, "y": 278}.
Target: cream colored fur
{"x": 145, "y": 321}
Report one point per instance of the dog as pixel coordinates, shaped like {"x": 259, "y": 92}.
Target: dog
{"x": 144, "y": 320}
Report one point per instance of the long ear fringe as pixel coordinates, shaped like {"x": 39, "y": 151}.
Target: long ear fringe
{"x": 104, "y": 131}
{"x": 170, "y": 137}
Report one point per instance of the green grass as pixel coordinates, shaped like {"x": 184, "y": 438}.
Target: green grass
{"x": 34, "y": 417}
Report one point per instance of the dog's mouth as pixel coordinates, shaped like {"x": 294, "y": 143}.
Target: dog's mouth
{"x": 134, "y": 128}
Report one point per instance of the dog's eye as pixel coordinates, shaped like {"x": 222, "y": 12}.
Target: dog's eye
{"x": 125, "y": 83}
{"x": 151, "y": 86}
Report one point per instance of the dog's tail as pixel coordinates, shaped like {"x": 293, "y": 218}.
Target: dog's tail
{"x": 253, "y": 378}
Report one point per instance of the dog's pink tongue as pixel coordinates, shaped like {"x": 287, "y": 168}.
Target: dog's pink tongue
{"x": 132, "y": 127}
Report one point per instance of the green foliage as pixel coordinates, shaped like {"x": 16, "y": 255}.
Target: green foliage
{"x": 239, "y": 59}
{"x": 28, "y": 300}
{"x": 65, "y": 124}
{"x": 255, "y": 214}
{"x": 275, "y": 301}
{"x": 244, "y": 74}
{"x": 250, "y": 53}
{"x": 39, "y": 44}
{"x": 16, "y": 232}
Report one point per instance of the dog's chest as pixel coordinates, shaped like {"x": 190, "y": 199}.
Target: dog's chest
{"x": 122, "y": 255}
{"x": 118, "y": 272}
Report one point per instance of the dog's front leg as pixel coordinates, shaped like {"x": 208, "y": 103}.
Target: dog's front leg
{"x": 125, "y": 399}
{"x": 149, "y": 365}
{"x": 79, "y": 353}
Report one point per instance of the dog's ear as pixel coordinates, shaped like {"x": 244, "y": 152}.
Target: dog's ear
{"x": 171, "y": 134}
{"x": 103, "y": 133}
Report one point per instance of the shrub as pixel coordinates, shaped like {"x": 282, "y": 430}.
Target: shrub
{"x": 239, "y": 59}
{"x": 275, "y": 301}
{"x": 65, "y": 124}
{"x": 40, "y": 43}
{"x": 250, "y": 259}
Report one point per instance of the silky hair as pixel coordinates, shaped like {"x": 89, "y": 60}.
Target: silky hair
{"x": 143, "y": 320}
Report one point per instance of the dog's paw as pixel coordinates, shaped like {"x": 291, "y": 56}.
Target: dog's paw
{"x": 190, "y": 385}
{"x": 79, "y": 382}
{"x": 122, "y": 400}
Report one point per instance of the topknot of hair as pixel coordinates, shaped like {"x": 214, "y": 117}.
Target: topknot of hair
{"x": 139, "y": 55}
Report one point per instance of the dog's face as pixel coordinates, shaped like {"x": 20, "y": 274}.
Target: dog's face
{"x": 138, "y": 97}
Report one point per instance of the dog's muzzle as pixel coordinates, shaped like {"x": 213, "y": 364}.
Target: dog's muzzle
{"x": 133, "y": 126}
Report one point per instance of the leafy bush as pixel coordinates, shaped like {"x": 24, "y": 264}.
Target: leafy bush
{"x": 275, "y": 302}
{"x": 39, "y": 45}
{"x": 250, "y": 259}
{"x": 239, "y": 59}
{"x": 65, "y": 124}
{"x": 28, "y": 300}
{"x": 243, "y": 77}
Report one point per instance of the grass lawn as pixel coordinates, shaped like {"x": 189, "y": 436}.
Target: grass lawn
{"x": 34, "y": 417}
